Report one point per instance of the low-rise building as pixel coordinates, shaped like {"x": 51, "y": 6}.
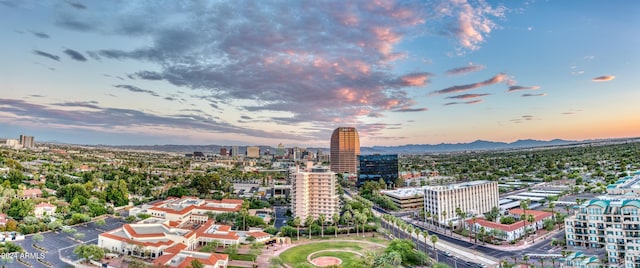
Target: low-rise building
{"x": 44, "y": 209}
{"x": 30, "y": 193}
{"x": 580, "y": 260}
{"x": 153, "y": 238}
{"x": 514, "y": 231}
{"x": 188, "y": 209}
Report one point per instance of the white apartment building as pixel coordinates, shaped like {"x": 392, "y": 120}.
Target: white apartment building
{"x": 314, "y": 192}
{"x": 611, "y": 223}
{"x": 473, "y": 198}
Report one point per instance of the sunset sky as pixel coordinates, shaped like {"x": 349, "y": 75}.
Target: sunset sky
{"x": 268, "y": 72}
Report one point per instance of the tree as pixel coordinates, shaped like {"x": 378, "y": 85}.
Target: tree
{"x": 524, "y": 205}
{"x": 89, "y": 252}
{"x": 117, "y": 193}
{"x": 336, "y": 218}
{"x": 462, "y": 215}
{"x": 434, "y": 240}
{"x": 20, "y": 208}
{"x": 525, "y": 258}
{"x": 100, "y": 222}
{"x": 308, "y": 223}
{"x": 531, "y": 219}
{"x": 297, "y": 223}
{"x": 37, "y": 238}
{"x": 425, "y": 234}
{"x": 321, "y": 220}
{"x": 346, "y": 217}
{"x": 244, "y": 213}
{"x": 195, "y": 263}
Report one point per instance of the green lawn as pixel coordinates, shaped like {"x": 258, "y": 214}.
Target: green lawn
{"x": 298, "y": 255}
{"x": 242, "y": 257}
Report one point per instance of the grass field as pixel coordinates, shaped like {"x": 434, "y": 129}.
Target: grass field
{"x": 298, "y": 255}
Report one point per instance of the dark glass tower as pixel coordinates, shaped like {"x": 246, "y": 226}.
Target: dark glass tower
{"x": 376, "y": 167}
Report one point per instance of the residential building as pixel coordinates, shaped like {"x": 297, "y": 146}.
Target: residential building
{"x": 378, "y": 167}
{"x": 514, "y": 231}
{"x": 26, "y": 141}
{"x": 314, "y": 192}
{"x": 626, "y": 185}
{"x": 13, "y": 143}
{"x": 30, "y": 193}
{"x": 253, "y": 152}
{"x": 188, "y": 209}
{"x": 223, "y": 151}
{"x": 44, "y": 209}
{"x": 163, "y": 241}
{"x": 345, "y": 148}
{"x": 611, "y": 223}
{"x": 280, "y": 150}
{"x": 580, "y": 260}
{"x": 234, "y": 151}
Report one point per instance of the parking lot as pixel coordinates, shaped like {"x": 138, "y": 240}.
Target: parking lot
{"x": 62, "y": 244}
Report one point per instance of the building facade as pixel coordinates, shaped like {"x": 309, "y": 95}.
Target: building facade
{"x": 253, "y": 152}
{"x": 474, "y": 198}
{"x": 26, "y": 141}
{"x": 314, "y": 192}
{"x": 345, "y": 149}
{"x": 611, "y": 223}
{"x": 377, "y": 167}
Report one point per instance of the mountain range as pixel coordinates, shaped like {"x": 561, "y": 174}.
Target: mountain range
{"x": 478, "y": 145}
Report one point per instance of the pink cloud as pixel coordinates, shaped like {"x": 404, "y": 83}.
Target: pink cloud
{"x": 499, "y": 78}
{"x": 603, "y": 78}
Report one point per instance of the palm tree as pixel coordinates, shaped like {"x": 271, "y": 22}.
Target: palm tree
{"x": 322, "y": 219}
{"x": 444, "y": 217}
{"x": 336, "y": 219}
{"x": 553, "y": 262}
{"x": 483, "y": 233}
{"x": 525, "y": 258}
{"x": 460, "y": 215}
{"x": 346, "y": 217}
{"x": 427, "y": 216}
{"x": 297, "y": 223}
{"x": 531, "y": 219}
{"x": 363, "y": 220}
{"x": 434, "y": 240}
{"x": 474, "y": 227}
{"x": 524, "y": 204}
{"x": 244, "y": 212}
{"x": 542, "y": 262}
{"x": 435, "y": 220}
{"x": 450, "y": 223}
{"x": 356, "y": 219}
{"x": 426, "y": 235}
{"x": 308, "y": 224}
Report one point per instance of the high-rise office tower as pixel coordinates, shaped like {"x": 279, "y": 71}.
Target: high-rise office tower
{"x": 376, "y": 167}
{"x": 345, "y": 148}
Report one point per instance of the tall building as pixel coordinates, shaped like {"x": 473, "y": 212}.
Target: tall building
{"x": 234, "y": 151}
{"x": 223, "y": 151}
{"x": 253, "y": 152}
{"x": 26, "y": 141}
{"x": 280, "y": 150}
{"x": 610, "y": 223}
{"x": 345, "y": 148}
{"x": 314, "y": 192}
{"x": 376, "y": 167}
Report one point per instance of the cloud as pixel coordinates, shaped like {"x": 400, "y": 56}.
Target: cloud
{"x": 41, "y": 35}
{"x": 409, "y": 110}
{"x": 603, "y": 78}
{"x": 137, "y": 89}
{"x": 75, "y": 55}
{"x": 499, "y": 78}
{"x": 519, "y": 88}
{"x": 534, "y": 95}
{"x": 464, "y": 70}
{"x": 466, "y": 102}
{"x": 471, "y": 23}
{"x": 246, "y": 117}
{"x": 326, "y": 62}
{"x": 89, "y": 115}
{"x": 46, "y": 55}
{"x": 76, "y": 5}
{"x": 468, "y": 96}
{"x": 414, "y": 79}
{"x": 524, "y": 118}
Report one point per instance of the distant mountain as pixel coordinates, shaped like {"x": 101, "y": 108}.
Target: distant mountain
{"x": 478, "y": 145}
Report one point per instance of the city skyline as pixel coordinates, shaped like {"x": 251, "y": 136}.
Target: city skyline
{"x": 241, "y": 73}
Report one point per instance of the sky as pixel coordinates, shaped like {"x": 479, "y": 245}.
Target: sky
{"x": 268, "y": 72}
